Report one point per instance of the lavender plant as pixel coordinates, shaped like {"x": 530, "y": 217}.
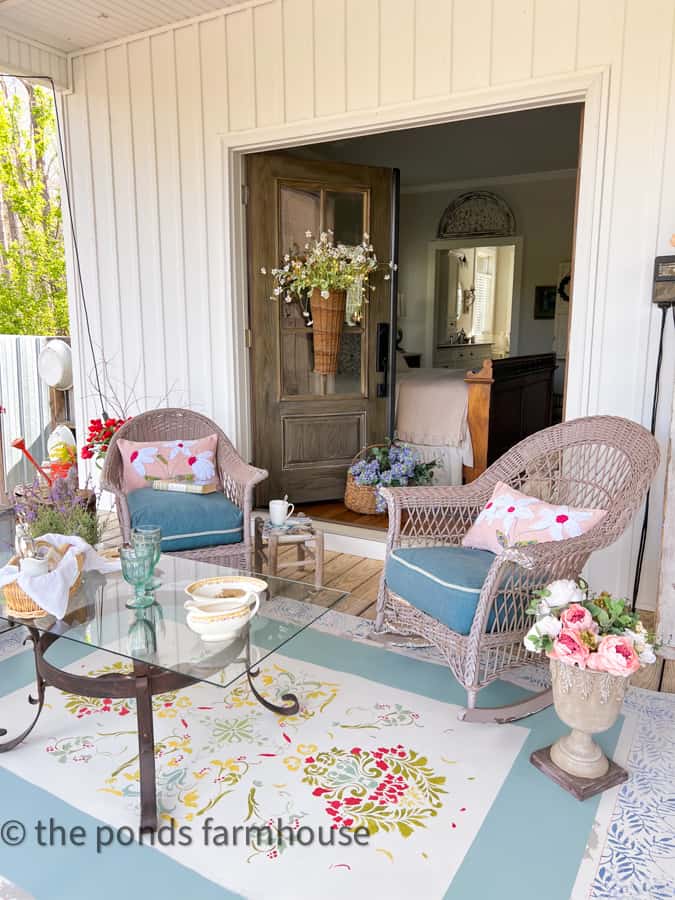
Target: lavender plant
{"x": 62, "y": 511}
{"x": 394, "y": 465}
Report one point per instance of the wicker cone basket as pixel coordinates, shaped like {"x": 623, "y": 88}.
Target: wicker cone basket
{"x": 328, "y": 316}
{"x": 361, "y": 498}
{"x": 19, "y": 605}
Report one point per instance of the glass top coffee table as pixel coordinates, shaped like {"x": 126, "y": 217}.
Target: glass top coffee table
{"x": 163, "y": 654}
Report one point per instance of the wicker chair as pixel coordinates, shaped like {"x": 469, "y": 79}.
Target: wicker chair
{"x": 236, "y": 478}
{"x": 597, "y": 462}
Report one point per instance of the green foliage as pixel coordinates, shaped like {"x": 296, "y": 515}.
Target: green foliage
{"x": 77, "y": 520}
{"x": 33, "y": 297}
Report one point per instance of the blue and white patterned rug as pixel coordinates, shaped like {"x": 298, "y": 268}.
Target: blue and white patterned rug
{"x": 454, "y": 804}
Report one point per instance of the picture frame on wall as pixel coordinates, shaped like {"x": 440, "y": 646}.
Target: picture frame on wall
{"x": 544, "y": 301}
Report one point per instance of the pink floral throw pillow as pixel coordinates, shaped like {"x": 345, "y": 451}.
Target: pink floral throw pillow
{"x": 511, "y": 519}
{"x": 182, "y": 460}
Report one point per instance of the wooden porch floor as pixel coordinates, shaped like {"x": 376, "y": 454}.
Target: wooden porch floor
{"x": 360, "y": 578}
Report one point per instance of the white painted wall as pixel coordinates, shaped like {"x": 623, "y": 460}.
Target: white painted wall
{"x": 151, "y": 119}
{"x": 544, "y": 212}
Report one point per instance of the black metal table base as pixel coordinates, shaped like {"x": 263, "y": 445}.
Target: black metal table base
{"x": 142, "y": 685}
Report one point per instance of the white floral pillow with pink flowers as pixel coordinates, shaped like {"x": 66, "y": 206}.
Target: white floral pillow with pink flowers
{"x": 180, "y": 460}
{"x": 512, "y": 519}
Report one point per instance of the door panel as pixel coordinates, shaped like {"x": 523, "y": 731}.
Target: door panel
{"x": 307, "y": 426}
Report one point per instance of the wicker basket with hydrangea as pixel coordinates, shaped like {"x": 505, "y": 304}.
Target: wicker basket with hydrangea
{"x": 388, "y": 465}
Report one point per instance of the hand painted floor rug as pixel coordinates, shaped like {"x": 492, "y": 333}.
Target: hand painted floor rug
{"x": 452, "y": 810}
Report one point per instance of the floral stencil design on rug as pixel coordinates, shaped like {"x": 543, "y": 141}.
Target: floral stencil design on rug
{"x": 386, "y": 789}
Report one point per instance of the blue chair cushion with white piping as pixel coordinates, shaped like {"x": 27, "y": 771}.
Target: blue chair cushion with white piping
{"x": 188, "y": 521}
{"x": 444, "y": 582}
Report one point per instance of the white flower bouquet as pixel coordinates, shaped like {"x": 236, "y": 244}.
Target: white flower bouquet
{"x": 325, "y": 266}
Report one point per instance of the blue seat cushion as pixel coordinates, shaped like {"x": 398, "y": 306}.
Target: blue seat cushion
{"x": 444, "y": 582}
{"x": 188, "y": 521}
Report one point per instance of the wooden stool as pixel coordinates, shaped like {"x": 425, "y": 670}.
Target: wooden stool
{"x": 309, "y": 549}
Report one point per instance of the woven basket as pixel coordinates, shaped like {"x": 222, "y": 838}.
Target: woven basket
{"x": 361, "y": 498}
{"x": 328, "y": 316}
{"x": 19, "y": 605}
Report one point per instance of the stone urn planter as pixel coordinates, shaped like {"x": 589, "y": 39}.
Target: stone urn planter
{"x": 328, "y": 316}
{"x": 589, "y": 702}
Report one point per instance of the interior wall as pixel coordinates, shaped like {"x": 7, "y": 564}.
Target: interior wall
{"x": 544, "y": 213}
{"x": 150, "y": 120}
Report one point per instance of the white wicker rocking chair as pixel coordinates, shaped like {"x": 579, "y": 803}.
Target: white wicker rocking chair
{"x": 601, "y": 461}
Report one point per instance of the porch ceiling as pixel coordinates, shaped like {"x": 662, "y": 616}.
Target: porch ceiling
{"x": 74, "y": 24}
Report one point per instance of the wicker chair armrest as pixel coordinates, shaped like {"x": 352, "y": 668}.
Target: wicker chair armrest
{"x": 113, "y": 470}
{"x": 517, "y": 572}
{"x": 435, "y": 514}
{"x": 238, "y": 477}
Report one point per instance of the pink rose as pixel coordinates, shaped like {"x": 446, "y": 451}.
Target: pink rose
{"x": 616, "y": 655}
{"x": 577, "y": 618}
{"x": 568, "y": 648}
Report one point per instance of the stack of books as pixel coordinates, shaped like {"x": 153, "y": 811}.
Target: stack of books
{"x": 186, "y": 487}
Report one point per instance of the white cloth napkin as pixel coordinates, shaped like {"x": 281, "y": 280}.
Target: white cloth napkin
{"x": 51, "y": 591}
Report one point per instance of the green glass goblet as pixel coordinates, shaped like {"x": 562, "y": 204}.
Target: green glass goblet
{"x": 137, "y": 566}
{"x": 149, "y": 536}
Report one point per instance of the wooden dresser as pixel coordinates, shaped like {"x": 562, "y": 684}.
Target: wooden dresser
{"x": 461, "y": 356}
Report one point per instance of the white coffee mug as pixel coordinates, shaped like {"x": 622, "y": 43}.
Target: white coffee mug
{"x": 280, "y": 510}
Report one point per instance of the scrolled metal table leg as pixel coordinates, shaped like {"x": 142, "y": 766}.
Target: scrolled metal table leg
{"x": 34, "y": 638}
{"x": 292, "y": 706}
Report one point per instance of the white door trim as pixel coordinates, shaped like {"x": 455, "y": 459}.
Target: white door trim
{"x": 590, "y": 87}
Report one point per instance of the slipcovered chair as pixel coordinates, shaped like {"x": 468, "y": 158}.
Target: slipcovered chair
{"x": 471, "y": 603}
{"x": 228, "y": 510}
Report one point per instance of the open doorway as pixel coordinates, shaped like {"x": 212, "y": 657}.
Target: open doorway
{"x": 486, "y": 226}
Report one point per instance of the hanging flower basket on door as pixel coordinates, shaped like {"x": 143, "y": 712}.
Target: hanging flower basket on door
{"x": 319, "y": 278}
{"x": 328, "y": 316}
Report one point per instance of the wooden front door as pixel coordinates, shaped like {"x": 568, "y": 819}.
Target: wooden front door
{"x": 307, "y": 427}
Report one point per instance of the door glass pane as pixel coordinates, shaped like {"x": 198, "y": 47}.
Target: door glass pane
{"x": 297, "y": 365}
{"x": 299, "y": 211}
{"x": 345, "y": 216}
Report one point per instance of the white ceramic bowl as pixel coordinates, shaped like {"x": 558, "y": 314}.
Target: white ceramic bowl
{"x": 217, "y": 620}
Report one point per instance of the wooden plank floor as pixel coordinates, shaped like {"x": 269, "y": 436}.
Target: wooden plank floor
{"x": 336, "y": 511}
{"x": 360, "y": 578}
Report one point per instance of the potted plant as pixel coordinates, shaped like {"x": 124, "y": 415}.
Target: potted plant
{"x": 388, "y": 465}
{"x": 594, "y": 644}
{"x": 319, "y": 279}
{"x": 63, "y": 509}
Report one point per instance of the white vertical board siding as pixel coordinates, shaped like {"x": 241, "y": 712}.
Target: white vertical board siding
{"x": 269, "y": 64}
{"x": 154, "y": 320}
{"x": 555, "y": 36}
{"x": 329, "y": 57}
{"x": 241, "y": 70}
{"x": 512, "y": 32}
{"x": 471, "y": 47}
{"x": 397, "y": 51}
{"x": 148, "y": 128}
{"x": 20, "y": 56}
{"x": 363, "y": 54}
{"x": 433, "y": 24}
{"x": 297, "y": 36}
